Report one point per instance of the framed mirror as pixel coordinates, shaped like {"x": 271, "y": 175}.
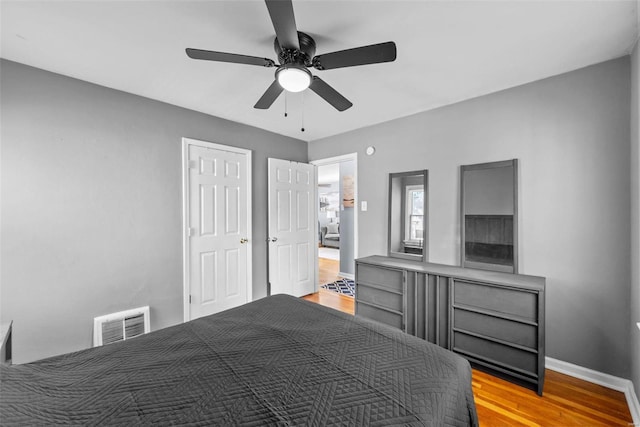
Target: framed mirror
{"x": 489, "y": 216}
{"x": 408, "y": 215}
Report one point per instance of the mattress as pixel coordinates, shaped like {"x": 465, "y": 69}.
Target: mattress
{"x": 276, "y": 361}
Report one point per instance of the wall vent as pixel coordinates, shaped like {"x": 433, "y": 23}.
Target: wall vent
{"x": 120, "y": 326}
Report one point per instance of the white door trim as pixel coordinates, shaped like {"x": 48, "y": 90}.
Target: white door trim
{"x": 186, "y": 142}
{"x": 332, "y": 160}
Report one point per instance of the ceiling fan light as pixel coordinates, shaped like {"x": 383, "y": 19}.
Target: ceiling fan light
{"x": 293, "y": 79}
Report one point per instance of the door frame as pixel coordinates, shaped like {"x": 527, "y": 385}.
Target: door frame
{"x": 328, "y": 161}
{"x": 186, "y": 283}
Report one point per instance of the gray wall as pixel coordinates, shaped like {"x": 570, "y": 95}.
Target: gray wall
{"x": 347, "y": 224}
{"x": 571, "y": 136}
{"x": 92, "y": 205}
{"x": 635, "y": 217}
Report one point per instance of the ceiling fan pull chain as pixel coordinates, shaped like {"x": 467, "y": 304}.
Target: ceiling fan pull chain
{"x": 285, "y": 103}
{"x": 302, "y": 128}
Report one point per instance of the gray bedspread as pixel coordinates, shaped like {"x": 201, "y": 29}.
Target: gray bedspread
{"x": 275, "y": 361}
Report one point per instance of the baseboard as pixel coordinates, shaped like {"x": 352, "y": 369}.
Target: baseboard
{"x": 347, "y": 275}
{"x": 605, "y": 380}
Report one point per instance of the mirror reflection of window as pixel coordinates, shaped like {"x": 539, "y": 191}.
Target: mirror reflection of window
{"x": 414, "y": 217}
{"x": 407, "y": 215}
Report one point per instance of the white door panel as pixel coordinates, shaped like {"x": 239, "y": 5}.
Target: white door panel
{"x": 291, "y": 227}
{"x": 217, "y": 248}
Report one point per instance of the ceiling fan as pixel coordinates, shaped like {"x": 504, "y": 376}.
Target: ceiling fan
{"x": 295, "y": 51}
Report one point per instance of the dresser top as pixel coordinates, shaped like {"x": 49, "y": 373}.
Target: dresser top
{"x": 519, "y": 280}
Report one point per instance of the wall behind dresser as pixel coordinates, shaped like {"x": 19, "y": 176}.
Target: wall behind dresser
{"x": 571, "y": 135}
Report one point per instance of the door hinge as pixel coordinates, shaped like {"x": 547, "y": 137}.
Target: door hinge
{"x": 189, "y": 299}
{"x": 190, "y": 231}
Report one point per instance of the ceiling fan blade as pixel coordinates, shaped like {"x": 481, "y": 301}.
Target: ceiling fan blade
{"x": 372, "y": 54}
{"x": 329, "y": 94}
{"x": 284, "y": 22}
{"x": 269, "y": 96}
{"x": 210, "y": 55}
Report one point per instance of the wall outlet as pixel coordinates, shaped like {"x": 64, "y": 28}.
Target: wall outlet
{"x": 363, "y": 206}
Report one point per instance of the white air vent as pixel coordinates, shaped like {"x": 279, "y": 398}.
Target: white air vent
{"x": 120, "y": 326}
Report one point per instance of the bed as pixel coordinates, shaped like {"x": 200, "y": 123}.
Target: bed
{"x": 276, "y": 361}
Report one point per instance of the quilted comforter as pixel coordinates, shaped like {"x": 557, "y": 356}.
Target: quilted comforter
{"x": 275, "y": 361}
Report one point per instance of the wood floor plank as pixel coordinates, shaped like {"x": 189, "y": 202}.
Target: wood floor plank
{"x": 332, "y": 299}
{"x": 328, "y": 270}
{"x": 566, "y": 401}
{"x": 551, "y": 409}
{"x": 506, "y": 415}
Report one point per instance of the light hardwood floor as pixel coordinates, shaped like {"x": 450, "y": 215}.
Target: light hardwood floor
{"x": 328, "y": 270}
{"x": 567, "y": 401}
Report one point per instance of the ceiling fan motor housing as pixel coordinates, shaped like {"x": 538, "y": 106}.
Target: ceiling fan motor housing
{"x": 303, "y": 56}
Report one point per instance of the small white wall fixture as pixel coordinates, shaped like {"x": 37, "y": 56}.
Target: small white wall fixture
{"x": 120, "y": 326}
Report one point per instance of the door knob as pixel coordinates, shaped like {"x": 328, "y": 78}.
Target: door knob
{"x": 243, "y": 240}
{"x": 272, "y": 239}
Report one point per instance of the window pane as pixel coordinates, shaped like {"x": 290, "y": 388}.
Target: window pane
{"x": 417, "y": 202}
{"x": 415, "y": 230}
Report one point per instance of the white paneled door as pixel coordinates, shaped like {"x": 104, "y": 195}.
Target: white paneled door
{"x": 292, "y": 232}
{"x": 217, "y": 241}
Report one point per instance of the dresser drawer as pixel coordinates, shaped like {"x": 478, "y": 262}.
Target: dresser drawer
{"x": 507, "y": 330}
{"x": 523, "y": 305}
{"x": 378, "y": 296}
{"x": 495, "y": 353}
{"x": 379, "y": 315}
{"x": 385, "y": 277}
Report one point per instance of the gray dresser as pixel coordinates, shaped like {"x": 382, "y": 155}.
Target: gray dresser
{"x": 495, "y": 320}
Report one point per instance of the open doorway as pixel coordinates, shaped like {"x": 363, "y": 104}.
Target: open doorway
{"x": 337, "y": 223}
{"x": 328, "y": 223}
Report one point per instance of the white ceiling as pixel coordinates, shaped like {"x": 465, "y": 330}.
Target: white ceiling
{"x": 448, "y": 51}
